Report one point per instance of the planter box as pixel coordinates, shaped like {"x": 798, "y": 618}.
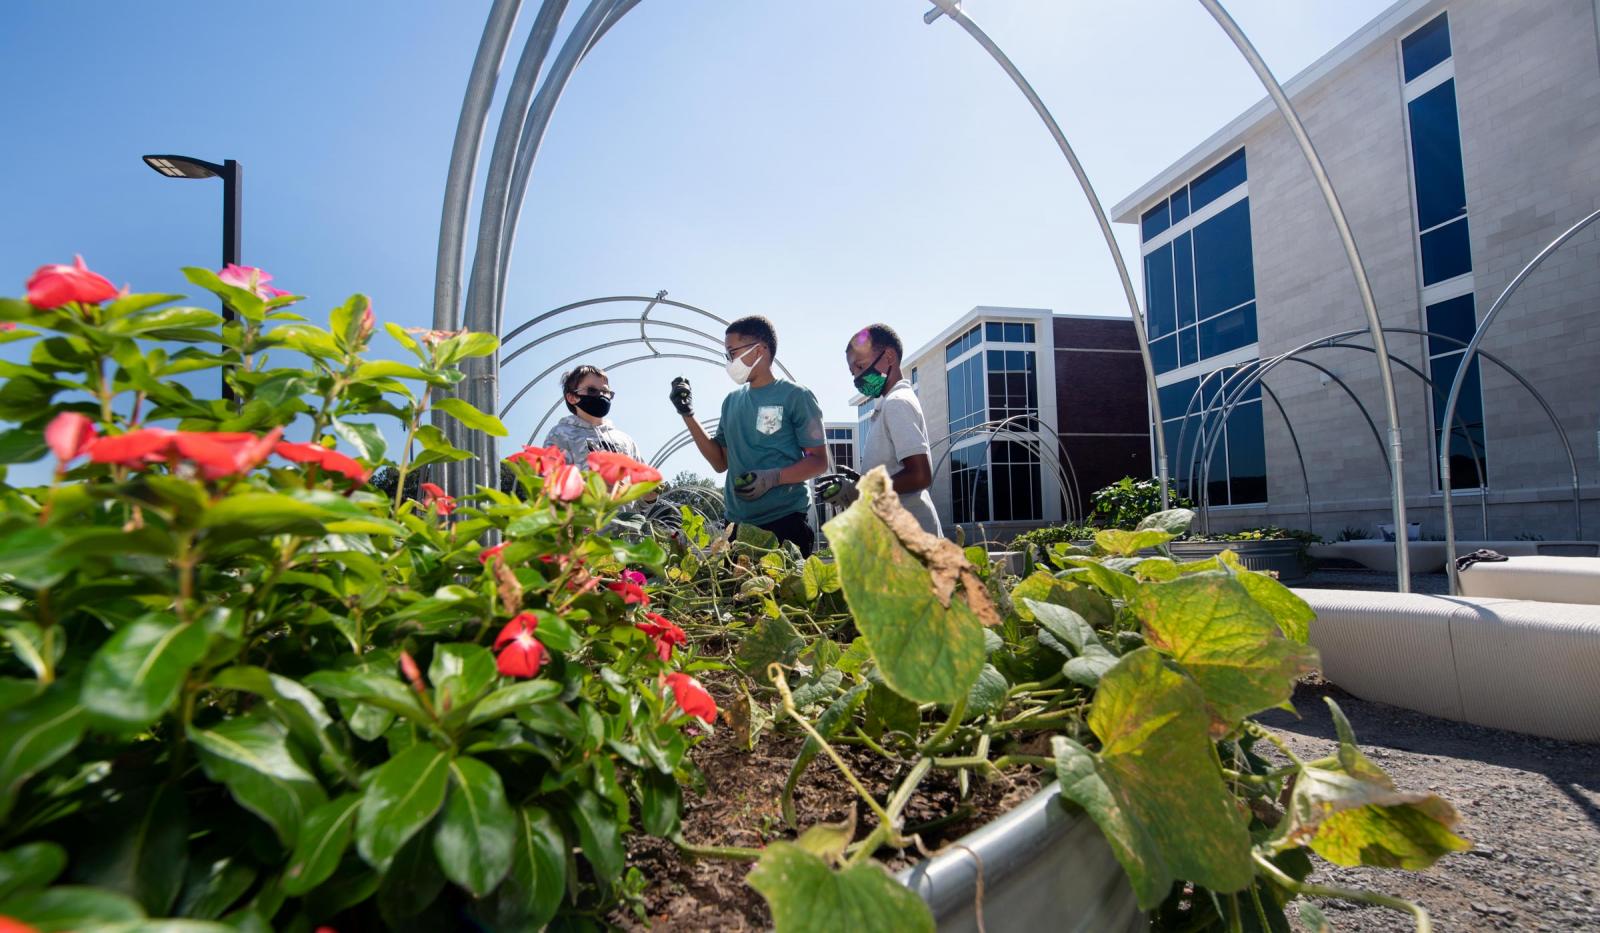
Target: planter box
{"x": 1281, "y": 555}
{"x": 1045, "y": 867}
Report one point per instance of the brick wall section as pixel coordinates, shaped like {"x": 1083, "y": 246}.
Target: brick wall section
{"x": 1102, "y": 410}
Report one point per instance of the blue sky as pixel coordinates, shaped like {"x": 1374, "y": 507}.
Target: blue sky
{"x": 826, "y": 164}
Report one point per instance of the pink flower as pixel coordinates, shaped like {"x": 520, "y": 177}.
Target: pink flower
{"x": 54, "y": 286}
{"x": 615, "y": 467}
{"x": 250, "y": 278}
{"x": 432, "y": 338}
{"x": 632, "y": 593}
{"x": 666, "y": 635}
{"x": 488, "y": 552}
{"x": 634, "y": 577}
{"x": 69, "y": 435}
{"x": 437, "y": 500}
{"x": 331, "y": 461}
{"x": 542, "y": 460}
{"x": 691, "y": 697}
{"x": 408, "y": 666}
{"x": 7, "y": 325}
{"x": 565, "y": 484}
{"x": 520, "y": 654}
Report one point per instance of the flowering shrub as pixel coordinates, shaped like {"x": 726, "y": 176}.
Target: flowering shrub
{"x": 239, "y": 685}
{"x": 1126, "y": 502}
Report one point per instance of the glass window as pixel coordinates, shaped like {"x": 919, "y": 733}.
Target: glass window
{"x": 1183, "y": 273}
{"x": 1180, "y": 204}
{"x": 1468, "y": 459}
{"x": 1228, "y": 332}
{"x": 1164, "y": 354}
{"x": 1188, "y": 348}
{"x": 913, "y": 375}
{"x": 1175, "y": 397}
{"x": 1158, "y": 294}
{"x": 1247, "y": 455}
{"x": 1224, "y": 272}
{"x": 1155, "y": 220}
{"x": 997, "y": 359}
{"x": 1027, "y": 332}
{"x": 964, "y": 383}
{"x": 994, "y": 330}
{"x": 1426, "y": 47}
{"x": 1014, "y": 333}
{"x": 1457, "y": 318}
{"x": 1436, "y": 157}
{"x": 1446, "y": 253}
{"x": 1216, "y": 181}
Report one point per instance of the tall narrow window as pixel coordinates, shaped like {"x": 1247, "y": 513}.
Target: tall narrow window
{"x": 1444, "y": 245}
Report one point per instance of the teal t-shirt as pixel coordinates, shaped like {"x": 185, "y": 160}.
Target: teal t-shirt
{"x": 763, "y": 429}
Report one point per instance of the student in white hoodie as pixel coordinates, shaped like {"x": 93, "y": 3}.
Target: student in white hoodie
{"x": 587, "y": 394}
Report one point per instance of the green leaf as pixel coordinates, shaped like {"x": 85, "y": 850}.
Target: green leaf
{"x": 475, "y": 837}
{"x": 253, "y": 757}
{"x": 34, "y": 736}
{"x": 69, "y": 908}
{"x": 599, "y": 835}
{"x": 1129, "y": 543}
{"x": 1292, "y": 613}
{"x": 773, "y": 641}
{"x": 834, "y": 718}
{"x": 322, "y": 843}
{"x": 410, "y": 885}
{"x": 377, "y": 690}
{"x": 390, "y": 369}
{"x": 295, "y": 706}
{"x": 819, "y": 577}
{"x": 512, "y": 698}
{"x": 136, "y": 674}
{"x": 344, "y": 322}
{"x": 1173, "y": 521}
{"x": 1112, "y": 583}
{"x": 1227, "y": 642}
{"x": 211, "y": 887}
{"x": 164, "y": 319}
{"x": 142, "y": 849}
{"x": 403, "y": 795}
{"x": 30, "y": 556}
{"x": 532, "y": 892}
{"x": 926, "y": 652}
{"x": 1154, "y": 788}
{"x": 1354, "y": 814}
{"x": 1093, "y": 658}
{"x": 262, "y": 514}
{"x": 367, "y": 439}
{"x": 554, "y": 632}
{"x": 22, "y": 445}
{"x": 465, "y": 345}
{"x": 462, "y": 672}
{"x": 888, "y": 711}
{"x": 806, "y": 896}
{"x": 988, "y": 693}
{"x": 660, "y": 801}
{"x": 30, "y": 866}
{"x": 1039, "y": 586}
{"x": 471, "y": 417}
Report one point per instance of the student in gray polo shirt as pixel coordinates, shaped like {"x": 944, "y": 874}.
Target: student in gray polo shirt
{"x": 896, "y": 433}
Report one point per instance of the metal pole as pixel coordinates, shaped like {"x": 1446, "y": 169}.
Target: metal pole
{"x": 1397, "y": 493}
{"x": 232, "y": 231}
{"x": 1455, "y": 395}
{"x": 458, "y": 197}
{"x": 949, "y": 8}
{"x": 1305, "y": 477}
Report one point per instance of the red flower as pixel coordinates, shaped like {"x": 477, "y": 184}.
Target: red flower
{"x": 408, "y": 666}
{"x": 437, "y": 500}
{"x": 631, "y": 593}
{"x": 615, "y": 467}
{"x": 133, "y": 449}
{"x": 664, "y": 632}
{"x": 565, "y": 484}
{"x": 520, "y": 655}
{"x": 69, "y": 435}
{"x": 54, "y": 286}
{"x": 7, "y": 325}
{"x": 542, "y": 460}
{"x": 488, "y": 552}
{"x": 691, "y": 697}
{"x": 8, "y": 925}
{"x": 331, "y": 461}
{"x": 216, "y": 453}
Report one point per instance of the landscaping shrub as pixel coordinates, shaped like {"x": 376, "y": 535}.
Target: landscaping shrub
{"x": 1127, "y": 502}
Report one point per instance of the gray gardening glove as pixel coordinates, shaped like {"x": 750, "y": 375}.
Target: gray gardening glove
{"x": 681, "y": 397}
{"x": 755, "y": 484}
{"x": 838, "y": 488}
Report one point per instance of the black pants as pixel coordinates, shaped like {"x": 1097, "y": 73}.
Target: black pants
{"x": 794, "y": 527}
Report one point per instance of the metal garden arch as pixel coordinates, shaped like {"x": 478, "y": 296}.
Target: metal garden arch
{"x": 526, "y": 117}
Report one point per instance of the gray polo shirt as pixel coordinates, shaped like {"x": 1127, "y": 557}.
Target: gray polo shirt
{"x": 896, "y": 430}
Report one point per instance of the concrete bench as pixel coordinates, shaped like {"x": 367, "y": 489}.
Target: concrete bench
{"x": 1429, "y": 556}
{"x": 1530, "y": 667}
{"x": 1548, "y": 579}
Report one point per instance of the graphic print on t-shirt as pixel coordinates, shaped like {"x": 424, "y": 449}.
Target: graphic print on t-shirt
{"x": 769, "y": 419}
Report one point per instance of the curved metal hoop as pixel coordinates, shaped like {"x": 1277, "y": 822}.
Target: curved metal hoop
{"x": 614, "y": 366}
{"x": 1060, "y": 465}
{"x": 1467, "y": 357}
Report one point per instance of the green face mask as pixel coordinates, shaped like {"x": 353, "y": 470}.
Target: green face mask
{"x": 871, "y": 383}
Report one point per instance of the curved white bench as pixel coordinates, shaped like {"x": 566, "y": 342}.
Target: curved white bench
{"x": 1547, "y": 579}
{"x": 1510, "y": 664}
{"x": 1428, "y": 556}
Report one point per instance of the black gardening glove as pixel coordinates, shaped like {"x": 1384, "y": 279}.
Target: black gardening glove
{"x": 838, "y": 488}
{"x": 682, "y": 398}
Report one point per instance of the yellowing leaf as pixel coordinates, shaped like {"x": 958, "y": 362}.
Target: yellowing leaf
{"x": 1128, "y": 543}
{"x": 807, "y": 896}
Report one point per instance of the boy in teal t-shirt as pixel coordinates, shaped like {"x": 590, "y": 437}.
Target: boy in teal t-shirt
{"x": 769, "y": 439}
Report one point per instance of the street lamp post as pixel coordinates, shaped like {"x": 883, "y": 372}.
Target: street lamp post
{"x": 231, "y": 173}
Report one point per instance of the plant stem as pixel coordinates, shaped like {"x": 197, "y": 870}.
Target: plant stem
{"x": 1418, "y": 914}
{"x": 405, "y": 449}
{"x": 1260, "y": 732}
{"x": 775, "y": 672}
{"x": 950, "y": 725}
{"x": 729, "y": 853}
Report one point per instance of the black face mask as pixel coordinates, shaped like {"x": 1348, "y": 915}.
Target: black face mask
{"x": 597, "y": 405}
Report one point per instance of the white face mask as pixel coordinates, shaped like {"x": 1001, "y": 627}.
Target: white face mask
{"x": 739, "y": 370}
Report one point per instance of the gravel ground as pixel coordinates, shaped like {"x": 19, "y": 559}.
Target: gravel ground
{"x": 1531, "y": 806}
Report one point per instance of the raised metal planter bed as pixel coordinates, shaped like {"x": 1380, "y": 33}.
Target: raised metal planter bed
{"x": 1277, "y": 554}
{"x": 1045, "y": 866}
